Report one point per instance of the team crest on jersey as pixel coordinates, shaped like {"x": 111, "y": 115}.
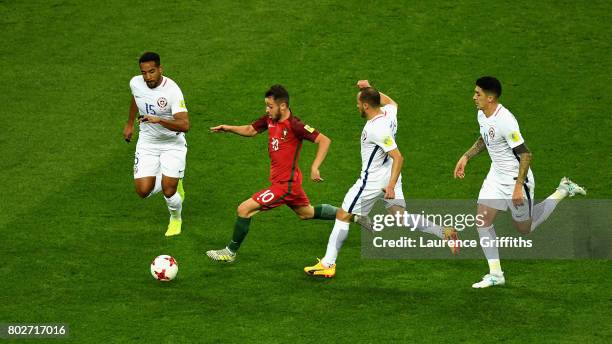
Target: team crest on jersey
{"x": 364, "y": 136}
{"x": 491, "y": 133}
{"x": 285, "y": 131}
{"x": 162, "y": 102}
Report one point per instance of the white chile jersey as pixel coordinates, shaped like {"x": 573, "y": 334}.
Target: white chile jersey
{"x": 501, "y": 134}
{"x": 163, "y": 101}
{"x": 377, "y": 139}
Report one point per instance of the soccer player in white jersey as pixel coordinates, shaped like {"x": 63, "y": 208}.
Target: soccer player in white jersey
{"x": 510, "y": 183}
{"x": 161, "y": 151}
{"x": 380, "y": 174}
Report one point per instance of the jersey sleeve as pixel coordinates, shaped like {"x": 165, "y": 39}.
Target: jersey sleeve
{"x": 509, "y": 128}
{"x": 303, "y": 131}
{"x": 390, "y": 110}
{"x": 381, "y": 135}
{"x": 260, "y": 124}
{"x": 178, "y": 101}
{"x": 133, "y": 85}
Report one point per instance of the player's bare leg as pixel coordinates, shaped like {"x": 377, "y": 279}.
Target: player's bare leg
{"x": 326, "y": 267}
{"x": 245, "y": 211}
{"x": 169, "y": 185}
{"x": 145, "y": 186}
{"x": 523, "y": 227}
{"x": 304, "y": 212}
{"x": 248, "y": 208}
{"x": 175, "y": 204}
{"x": 319, "y": 211}
{"x": 486, "y": 232}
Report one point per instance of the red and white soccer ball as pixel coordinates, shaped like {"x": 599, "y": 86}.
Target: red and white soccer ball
{"x": 164, "y": 268}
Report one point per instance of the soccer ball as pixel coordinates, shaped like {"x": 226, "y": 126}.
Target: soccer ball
{"x": 164, "y": 268}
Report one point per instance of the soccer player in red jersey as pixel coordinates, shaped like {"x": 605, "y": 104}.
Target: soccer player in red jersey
{"x": 285, "y": 135}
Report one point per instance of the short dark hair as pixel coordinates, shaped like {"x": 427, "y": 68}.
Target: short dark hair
{"x": 150, "y": 56}
{"x": 370, "y": 95}
{"x": 279, "y": 94}
{"x": 490, "y": 84}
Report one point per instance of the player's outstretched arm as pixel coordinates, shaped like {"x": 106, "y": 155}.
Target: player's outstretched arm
{"x": 384, "y": 99}
{"x": 129, "y": 126}
{"x": 323, "y": 142}
{"x": 179, "y": 123}
{"x": 476, "y": 148}
{"x": 242, "y": 130}
{"x": 396, "y": 169}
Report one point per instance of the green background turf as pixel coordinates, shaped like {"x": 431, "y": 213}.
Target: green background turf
{"x": 76, "y": 241}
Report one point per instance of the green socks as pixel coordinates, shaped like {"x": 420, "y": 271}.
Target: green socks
{"x": 325, "y": 212}
{"x": 241, "y": 228}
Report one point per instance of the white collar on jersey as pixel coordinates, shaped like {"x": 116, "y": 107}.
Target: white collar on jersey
{"x": 499, "y": 107}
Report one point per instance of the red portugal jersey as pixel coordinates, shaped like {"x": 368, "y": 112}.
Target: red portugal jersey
{"x": 284, "y": 144}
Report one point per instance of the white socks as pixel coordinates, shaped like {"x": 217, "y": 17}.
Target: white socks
{"x": 542, "y": 210}
{"x": 487, "y": 236}
{"x": 336, "y": 239}
{"x": 174, "y": 205}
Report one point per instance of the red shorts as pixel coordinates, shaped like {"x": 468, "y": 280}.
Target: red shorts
{"x": 279, "y": 194}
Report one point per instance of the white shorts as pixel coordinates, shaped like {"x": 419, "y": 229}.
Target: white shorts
{"x": 153, "y": 159}
{"x": 361, "y": 197}
{"x": 499, "y": 196}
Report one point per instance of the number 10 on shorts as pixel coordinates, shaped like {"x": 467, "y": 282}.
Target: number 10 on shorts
{"x": 266, "y": 196}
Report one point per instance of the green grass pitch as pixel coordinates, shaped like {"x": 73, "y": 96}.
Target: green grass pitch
{"x": 76, "y": 241}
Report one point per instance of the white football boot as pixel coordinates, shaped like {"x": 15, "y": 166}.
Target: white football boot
{"x": 571, "y": 187}
{"x": 490, "y": 280}
{"x": 222, "y": 255}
